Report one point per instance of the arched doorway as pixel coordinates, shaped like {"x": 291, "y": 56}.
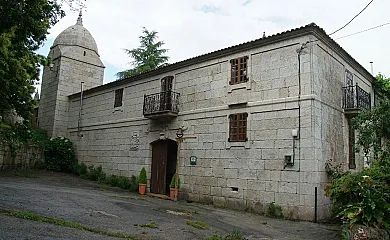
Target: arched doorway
{"x": 164, "y": 158}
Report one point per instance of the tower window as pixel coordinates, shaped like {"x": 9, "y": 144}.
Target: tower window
{"x": 118, "y": 97}
{"x": 85, "y": 53}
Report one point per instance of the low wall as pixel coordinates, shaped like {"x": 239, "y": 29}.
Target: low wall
{"x": 25, "y": 157}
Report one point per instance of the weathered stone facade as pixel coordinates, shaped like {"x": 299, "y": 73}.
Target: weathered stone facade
{"x": 75, "y": 59}
{"x": 280, "y": 97}
{"x": 25, "y": 157}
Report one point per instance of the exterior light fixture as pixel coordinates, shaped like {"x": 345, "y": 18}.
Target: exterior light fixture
{"x": 179, "y": 133}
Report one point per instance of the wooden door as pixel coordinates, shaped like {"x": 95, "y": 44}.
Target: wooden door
{"x": 159, "y": 166}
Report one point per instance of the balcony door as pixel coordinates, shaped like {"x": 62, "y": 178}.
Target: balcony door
{"x": 166, "y": 93}
{"x": 349, "y": 90}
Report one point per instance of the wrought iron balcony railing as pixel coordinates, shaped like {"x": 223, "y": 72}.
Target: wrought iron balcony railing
{"x": 355, "y": 98}
{"x": 161, "y": 103}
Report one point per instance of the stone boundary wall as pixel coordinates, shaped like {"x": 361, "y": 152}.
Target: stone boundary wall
{"x": 26, "y": 157}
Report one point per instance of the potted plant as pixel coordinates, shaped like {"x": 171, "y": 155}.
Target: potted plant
{"x": 172, "y": 188}
{"x": 142, "y": 180}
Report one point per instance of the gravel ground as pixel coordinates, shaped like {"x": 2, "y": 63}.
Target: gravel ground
{"x": 73, "y": 199}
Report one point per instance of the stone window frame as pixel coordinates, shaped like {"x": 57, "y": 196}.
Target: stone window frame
{"x": 245, "y": 144}
{"x": 118, "y": 99}
{"x": 238, "y": 127}
{"x": 243, "y": 85}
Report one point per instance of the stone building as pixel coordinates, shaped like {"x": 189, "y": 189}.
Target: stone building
{"x": 266, "y": 114}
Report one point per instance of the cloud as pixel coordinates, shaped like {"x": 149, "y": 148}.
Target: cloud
{"x": 191, "y": 28}
{"x": 209, "y": 9}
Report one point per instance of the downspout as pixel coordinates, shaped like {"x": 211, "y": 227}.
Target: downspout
{"x": 80, "y": 110}
{"x": 298, "y": 138}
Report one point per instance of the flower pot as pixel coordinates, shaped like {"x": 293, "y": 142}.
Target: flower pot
{"x": 142, "y": 188}
{"x": 172, "y": 193}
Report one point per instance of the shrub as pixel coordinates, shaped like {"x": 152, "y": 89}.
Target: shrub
{"x": 362, "y": 197}
{"x": 60, "y": 155}
{"x": 142, "y": 177}
{"x": 95, "y": 174}
{"x": 81, "y": 169}
{"x": 172, "y": 184}
{"x": 274, "y": 210}
{"x": 334, "y": 172}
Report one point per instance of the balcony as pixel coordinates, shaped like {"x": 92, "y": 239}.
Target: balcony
{"x": 355, "y": 99}
{"x": 163, "y": 105}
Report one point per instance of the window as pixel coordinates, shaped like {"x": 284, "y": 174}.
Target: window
{"x": 237, "y": 127}
{"x": 239, "y": 70}
{"x": 348, "y": 78}
{"x": 118, "y": 97}
{"x": 166, "y": 84}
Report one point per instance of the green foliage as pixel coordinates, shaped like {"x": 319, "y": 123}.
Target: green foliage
{"x": 198, "y": 224}
{"x": 147, "y": 57}
{"x": 148, "y": 225}
{"x": 81, "y": 169}
{"x": 382, "y": 86}
{"x": 142, "y": 177}
{"x": 235, "y": 234}
{"x": 374, "y": 129}
{"x": 334, "y": 172}
{"x": 172, "y": 184}
{"x": 20, "y": 134}
{"x": 362, "y": 197}
{"x": 274, "y": 210}
{"x": 98, "y": 175}
{"x": 60, "y": 155}
{"x": 61, "y": 222}
{"x": 123, "y": 182}
{"x": 23, "y": 29}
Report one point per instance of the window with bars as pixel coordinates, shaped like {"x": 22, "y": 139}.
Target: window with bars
{"x": 239, "y": 68}
{"x": 118, "y": 97}
{"x": 237, "y": 127}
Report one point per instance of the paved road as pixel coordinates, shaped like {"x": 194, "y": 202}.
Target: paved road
{"x": 65, "y": 196}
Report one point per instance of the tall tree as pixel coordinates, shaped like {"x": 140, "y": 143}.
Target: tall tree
{"x": 23, "y": 29}
{"x": 148, "y": 56}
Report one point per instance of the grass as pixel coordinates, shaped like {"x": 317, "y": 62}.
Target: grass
{"x": 233, "y": 235}
{"x": 27, "y": 173}
{"x": 198, "y": 224}
{"x": 60, "y": 222}
{"x": 148, "y": 225}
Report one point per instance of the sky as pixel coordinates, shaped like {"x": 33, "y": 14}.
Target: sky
{"x": 191, "y": 28}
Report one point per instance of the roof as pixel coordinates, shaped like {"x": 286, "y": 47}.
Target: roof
{"x": 311, "y": 28}
{"x": 76, "y": 35}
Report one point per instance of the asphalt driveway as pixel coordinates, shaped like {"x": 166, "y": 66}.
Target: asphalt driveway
{"x": 107, "y": 209}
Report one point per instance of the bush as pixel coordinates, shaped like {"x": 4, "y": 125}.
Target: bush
{"x": 172, "y": 184}
{"x": 60, "y": 155}
{"x": 274, "y": 210}
{"x": 142, "y": 177}
{"x": 363, "y": 197}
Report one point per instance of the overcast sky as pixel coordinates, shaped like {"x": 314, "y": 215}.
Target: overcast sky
{"x": 190, "y": 28}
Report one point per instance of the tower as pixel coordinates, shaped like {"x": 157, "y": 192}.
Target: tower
{"x": 75, "y": 59}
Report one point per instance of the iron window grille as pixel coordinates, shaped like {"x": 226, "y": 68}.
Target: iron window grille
{"x": 239, "y": 70}
{"x": 118, "y": 97}
{"x": 238, "y": 127}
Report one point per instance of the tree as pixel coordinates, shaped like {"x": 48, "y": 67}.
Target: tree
{"x": 374, "y": 125}
{"x": 147, "y": 57}
{"x": 23, "y": 29}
